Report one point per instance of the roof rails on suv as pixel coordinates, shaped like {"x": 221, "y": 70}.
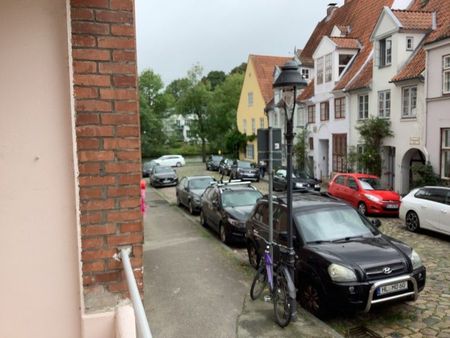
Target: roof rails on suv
{"x": 300, "y": 195}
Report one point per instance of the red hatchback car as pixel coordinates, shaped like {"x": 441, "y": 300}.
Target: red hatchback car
{"x": 365, "y": 193}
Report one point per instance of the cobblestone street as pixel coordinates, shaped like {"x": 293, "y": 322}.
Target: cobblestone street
{"x": 429, "y": 316}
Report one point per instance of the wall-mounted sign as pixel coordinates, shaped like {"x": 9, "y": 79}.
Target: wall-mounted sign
{"x": 414, "y": 141}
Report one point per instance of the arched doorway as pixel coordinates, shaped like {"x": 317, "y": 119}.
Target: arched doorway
{"x": 411, "y": 157}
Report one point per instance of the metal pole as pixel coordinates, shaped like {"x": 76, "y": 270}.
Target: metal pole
{"x": 143, "y": 329}
{"x": 289, "y": 139}
{"x": 270, "y": 188}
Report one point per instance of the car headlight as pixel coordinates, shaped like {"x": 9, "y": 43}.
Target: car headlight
{"x": 234, "y": 222}
{"x": 339, "y": 273}
{"x": 373, "y": 198}
{"x": 317, "y": 186}
{"x": 415, "y": 260}
{"x": 299, "y": 185}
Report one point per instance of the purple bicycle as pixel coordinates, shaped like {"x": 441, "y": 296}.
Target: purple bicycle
{"x": 281, "y": 287}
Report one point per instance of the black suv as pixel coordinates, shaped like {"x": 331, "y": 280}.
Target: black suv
{"x": 244, "y": 170}
{"x": 342, "y": 260}
{"x": 225, "y": 207}
{"x": 213, "y": 161}
{"x": 225, "y": 166}
{"x": 300, "y": 181}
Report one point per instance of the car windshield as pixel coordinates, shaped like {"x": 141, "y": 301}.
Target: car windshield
{"x": 245, "y": 165}
{"x": 160, "y": 170}
{"x": 200, "y": 183}
{"x": 239, "y": 198}
{"x": 149, "y": 165}
{"x": 332, "y": 224}
{"x": 370, "y": 183}
{"x": 300, "y": 174}
{"x": 216, "y": 158}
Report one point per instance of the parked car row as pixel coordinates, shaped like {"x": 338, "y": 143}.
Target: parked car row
{"x": 343, "y": 261}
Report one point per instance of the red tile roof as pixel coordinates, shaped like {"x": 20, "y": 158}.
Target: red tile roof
{"x": 414, "y": 19}
{"x": 264, "y": 67}
{"x": 363, "y": 79}
{"x": 416, "y": 65}
{"x": 361, "y": 16}
{"x": 346, "y": 43}
{"x": 307, "y": 92}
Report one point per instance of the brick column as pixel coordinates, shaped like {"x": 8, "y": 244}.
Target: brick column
{"x": 108, "y": 142}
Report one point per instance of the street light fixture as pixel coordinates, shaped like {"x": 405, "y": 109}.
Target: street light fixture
{"x": 290, "y": 82}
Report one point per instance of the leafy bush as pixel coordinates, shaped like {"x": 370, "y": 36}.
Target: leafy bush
{"x": 423, "y": 174}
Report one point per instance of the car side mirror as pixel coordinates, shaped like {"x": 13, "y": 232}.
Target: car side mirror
{"x": 376, "y": 222}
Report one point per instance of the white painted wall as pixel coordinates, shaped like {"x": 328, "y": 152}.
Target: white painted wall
{"x": 438, "y": 105}
{"x": 40, "y": 254}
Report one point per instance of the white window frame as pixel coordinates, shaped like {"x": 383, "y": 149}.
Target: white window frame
{"x": 410, "y": 40}
{"x": 446, "y": 74}
{"x": 363, "y": 106}
{"x": 305, "y": 73}
{"x": 409, "y": 102}
{"x": 261, "y": 122}
{"x": 384, "y": 103}
{"x": 320, "y": 70}
{"x": 250, "y": 151}
{"x": 328, "y": 67}
{"x": 253, "y": 126}
{"x": 250, "y": 99}
{"x": 445, "y": 152}
{"x": 385, "y": 49}
{"x": 244, "y": 126}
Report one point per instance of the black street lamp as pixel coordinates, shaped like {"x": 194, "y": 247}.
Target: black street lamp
{"x": 290, "y": 82}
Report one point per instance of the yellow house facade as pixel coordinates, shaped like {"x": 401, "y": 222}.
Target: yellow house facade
{"x": 256, "y": 93}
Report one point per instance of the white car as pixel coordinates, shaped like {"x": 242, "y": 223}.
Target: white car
{"x": 427, "y": 208}
{"x": 171, "y": 161}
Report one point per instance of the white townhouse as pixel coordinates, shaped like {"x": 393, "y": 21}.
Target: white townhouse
{"x": 341, "y": 50}
{"x": 397, "y": 96}
{"x": 437, "y": 133}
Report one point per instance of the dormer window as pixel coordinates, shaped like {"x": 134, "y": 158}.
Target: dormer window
{"x": 409, "y": 43}
{"x": 320, "y": 70}
{"x": 385, "y": 52}
{"x": 328, "y": 68}
{"x": 344, "y": 59}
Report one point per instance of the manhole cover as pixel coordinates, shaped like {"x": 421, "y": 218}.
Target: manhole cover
{"x": 361, "y": 332}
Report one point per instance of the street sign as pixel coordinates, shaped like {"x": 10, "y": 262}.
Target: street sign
{"x": 263, "y": 146}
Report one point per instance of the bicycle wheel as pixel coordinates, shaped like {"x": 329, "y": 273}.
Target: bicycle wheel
{"x": 259, "y": 282}
{"x": 282, "y": 303}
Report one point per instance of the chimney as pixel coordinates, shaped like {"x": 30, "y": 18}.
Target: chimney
{"x": 331, "y": 7}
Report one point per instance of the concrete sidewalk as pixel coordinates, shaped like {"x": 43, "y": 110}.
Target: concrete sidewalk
{"x": 196, "y": 287}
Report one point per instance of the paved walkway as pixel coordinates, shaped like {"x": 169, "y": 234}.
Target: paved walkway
{"x": 197, "y": 287}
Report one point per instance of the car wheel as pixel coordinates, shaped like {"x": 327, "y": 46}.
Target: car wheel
{"x": 412, "y": 221}
{"x": 178, "y": 164}
{"x": 223, "y": 234}
{"x": 311, "y": 298}
{"x": 203, "y": 219}
{"x": 362, "y": 208}
{"x": 253, "y": 257}
{"x": 191, "y": 208}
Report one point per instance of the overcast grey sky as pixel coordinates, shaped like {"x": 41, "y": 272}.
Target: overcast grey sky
{"x": 173, "y": 35}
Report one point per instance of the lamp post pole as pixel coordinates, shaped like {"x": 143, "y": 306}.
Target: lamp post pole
{"x": 289, "y": 81}
{"x": 268, "y": 111}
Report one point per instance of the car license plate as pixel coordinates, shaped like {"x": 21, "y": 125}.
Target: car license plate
{"x": 390, "y": 288}
{"x": 392, "y": 206}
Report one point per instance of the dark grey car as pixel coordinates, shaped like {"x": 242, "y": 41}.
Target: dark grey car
{"x": 244, "y": 170}
{"x": 162, "y": 176}
{"x": 190, "y": 190}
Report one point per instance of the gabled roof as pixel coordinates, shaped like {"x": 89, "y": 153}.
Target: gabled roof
{"x": 416, "y": 65}
{"x": 361, "y": 16}
{"x": 346, "y": 43}
{"x": 264, "y": 66}
{"x": 414, "y": 20}
{"x": 307, "y": 92}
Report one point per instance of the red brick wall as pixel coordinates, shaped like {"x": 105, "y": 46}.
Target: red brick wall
{"x": 108, "y": 144}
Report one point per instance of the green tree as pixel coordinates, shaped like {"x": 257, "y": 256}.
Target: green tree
{"x": 423, "y": 174}
{"x": 153, "y": 106}
{"x": 373, "y": 130}
{"x": 222, "y": 110}
{"x": 214, "y": 78}
{"x": 239, "y": 69}
{"x": 194, "y": 102}
{"x": 235, "y": 141}
{"x": 301, "y": 150}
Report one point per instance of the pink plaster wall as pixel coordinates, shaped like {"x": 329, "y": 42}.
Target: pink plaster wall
{"x": 39, "y": 250}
